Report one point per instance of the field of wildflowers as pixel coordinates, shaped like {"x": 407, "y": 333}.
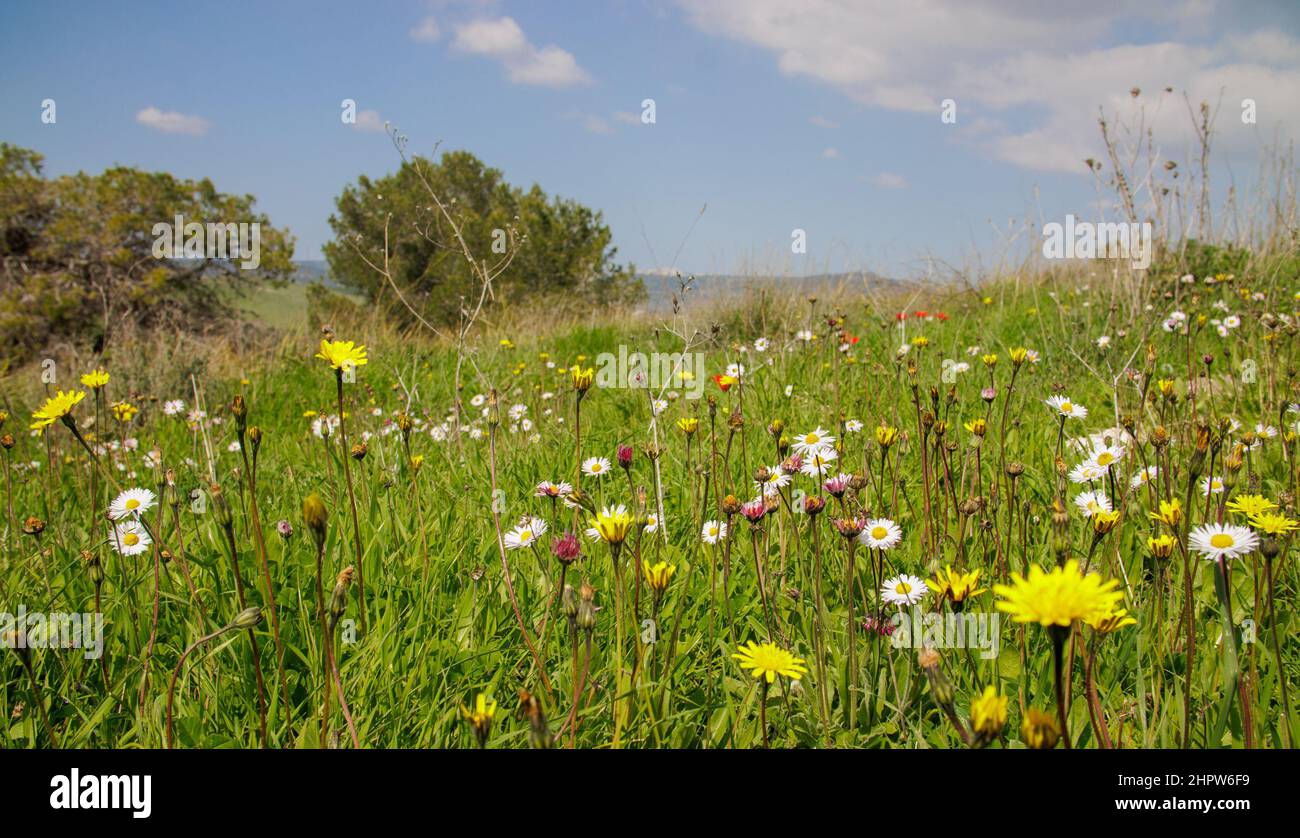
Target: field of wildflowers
{"x": 1023, "y": 521}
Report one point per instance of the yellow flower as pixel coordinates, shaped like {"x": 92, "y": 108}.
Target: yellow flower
{"x": 1163, "y": 546}
{"x": 1018, "y": 355}
{"x": 1117, "y": 619}
{"x": 506, "y": 343}
{"x": 1274, "y": 524}
{"x": 612, "y": 525}
{"x": 1104, "y": 522}
{"x": 688, "y": 424}
{"x": 988, "y": 713}
{"x": 1251, "y": 505}
{"x": 1057, "y": 598}
{"x": 1171, "y": 512}
{"x": 480, "y": 718}
{"x": 94, "y": 379}
{"x": 921, "y": 341}
{"x": 56, "y": 407}
{"x": 885, "y": 435}
{"x": 582, "y": 379}
{"x": 1166, "y": 386}
{"x": 1040, "y": 730}
{"x": 990, "y": 359}
{"x": 124, "y": 411}
{"x": 956, "y": 585}
{"x": 657, "y": 576}
{"x": 768, "y": 660}
{"x": 417, "y": 460}
{"x": 342, "y": 353}
{"x": 977, "y": 426}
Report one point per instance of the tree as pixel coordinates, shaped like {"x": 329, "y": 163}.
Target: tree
{"x": 80, "y": 255}
{"x": 558, "y": 246}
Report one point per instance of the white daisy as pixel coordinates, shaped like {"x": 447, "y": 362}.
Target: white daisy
{"x": 775, "y": 482}
{"x": 1086, "y": 473}
{"x": 880, "y": 534}
{"x": 131, "y": 503}
{"x": 129, "y": 538}
{"x": 713, "y": 531}
{"x": 1144, "y": 476}
{"x": 595, "y": 466}
{"x": 1064, "y": 407}
{"x": 478, "y": 401}
{"x": 760, "y": 345}
{"x": 524, "y": 535}
{"x": 651, "y": 522}
{"x": 853, "y": 426}
{"x": 816, "y": 463}
{"x": 1105, "y": 456}
{"x": 806, "y": 444}
{"x": 904, "y": 590}
{"x": 1211, "y": 485}
{"x": 173, "y": 407}
{"x": 1091, "y": 502}
{"x": 1222, "y": 541}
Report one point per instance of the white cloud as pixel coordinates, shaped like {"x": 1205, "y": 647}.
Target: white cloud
{"x": 369, "y": 122}
{"x": 627, "y": 117}
{"x": 172, "y": 122}
{"x": 597, "y": 125}
{"x": 1028, "y": 78}
{"x": 831, "y": 154}
{"x": 889, "y": 180}
{"x": 426, "y": 31}
{"x": 502, "y": 39}
{"x": 823, "y": 122}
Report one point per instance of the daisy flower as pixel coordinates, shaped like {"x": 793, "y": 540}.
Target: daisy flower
{"x": 1092, "y": 502}
{"x": 1219, "y": 542}
{"x": 818, "y": 462}
{"x": 776, "y": 480}
{"x": 1103, "y": 457}
{"x": 761, "y": 345}
{"x": 173, "y": 407}
{"x": 524, "y": 535}
{"x": 1144, "y": 476}
{"x": 880, "y": 534}
{"x": 713, "y": 531}
{"x": 1064, "y": 407}
{"x": 547, "y": 489}
{"x": 1086, "y": 473}
{"x": 651, "y": 522}
{"x": 904, "y": 589}
{"x": 595, "y": 466}
{"x": 812, "y": 441}
{"x": 1212, "y": 485}
{"x": 853, "y": 426}
{"x": 132, "y": 502}
{"x": 129, "y": 538}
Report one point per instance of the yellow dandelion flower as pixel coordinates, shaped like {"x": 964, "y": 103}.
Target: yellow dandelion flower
{"x": 1273, "y": 524}
{"x": 124, "y": 411}
{"x": 886, "y": 435}
{"x": 583, "y": 378}
{"x": 1117, "y": 619}
{"x": 977, "y": 426}
{"x": 1163, "y": 546}
{"x": 955, "y": 585}
{"x": 1171, "y": 512}
{"x": 767, "y": 660}
{"x": 611, "y": 525}
{"x": 1250, "y": 506}
{"x": 94, "y": 379}
{"x": 1057, "y": 598}
{"x": 1040, "y": 730}
{"x": 340, "y": 354}
{"x": 658, "y": 575}
{"x": 988, "y": 713}
{"x": 688, "y": 425}
{"x": 56, "y": 407}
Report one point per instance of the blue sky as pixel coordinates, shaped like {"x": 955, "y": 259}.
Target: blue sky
{"x": 820, "y": 116}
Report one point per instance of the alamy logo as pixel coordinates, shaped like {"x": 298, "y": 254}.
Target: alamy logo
{"x": 192, "y": 240}
{"x": 655, "y": 370}
{"x": 110, "y": 791}
{"x": 1106, "y": 240}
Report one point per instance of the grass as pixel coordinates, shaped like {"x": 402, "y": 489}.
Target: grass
{"x": 441, "y": 624}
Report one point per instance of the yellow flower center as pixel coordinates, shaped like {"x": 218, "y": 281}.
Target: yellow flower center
{"x": 1066, "y": 407}
{"x": 1105, "y": 458}
{"x": 903, "y": 588}
{"x": 1221, "y": 540}
{"x": 879, "y": 532}
{"x": 130, "y": 539}
{"x": 811, "y": 439}
{"x": 132, "y": 504}
{"x": 526, "y": 536}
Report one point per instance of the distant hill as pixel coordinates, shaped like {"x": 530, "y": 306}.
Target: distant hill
{"x": 315, "y": 270}
{"x": 715, "y": 287}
